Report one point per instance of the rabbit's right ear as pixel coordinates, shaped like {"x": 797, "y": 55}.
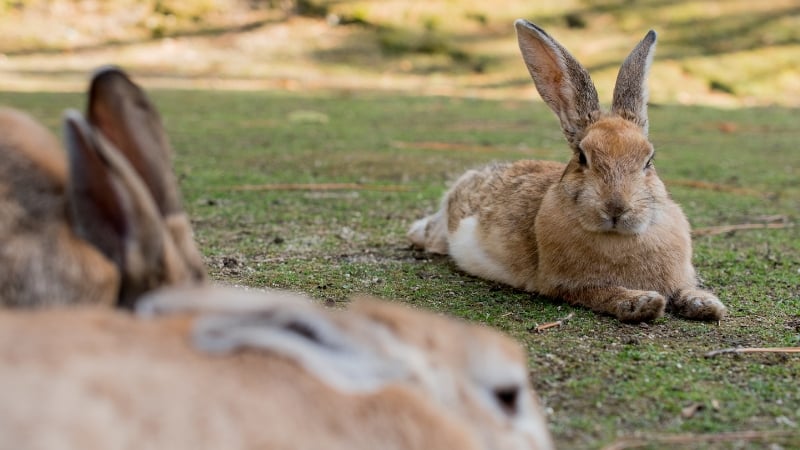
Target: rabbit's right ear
{"x": 560, "y": 79}
{"x": 130, "y": 121}
{"x": 123, "y": 114}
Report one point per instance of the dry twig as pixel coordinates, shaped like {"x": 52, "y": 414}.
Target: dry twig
{"x": 725, "y": 351}
{"x": 722, "y": 229}
{"x": 319, "y": 187}
{"x": 557, "y": 323}
{"x": 446, "y": 146}
{"x": 683, "y": 439}
{"x": 705, "y": 185}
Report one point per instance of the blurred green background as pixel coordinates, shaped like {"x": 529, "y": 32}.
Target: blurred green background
{"x": 722, "y": 53}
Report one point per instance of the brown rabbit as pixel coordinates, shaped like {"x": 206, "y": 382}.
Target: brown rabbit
{"x": 600, "y": 231}
{"x": 102, "y": 223}
{"x": 282, "y": 373}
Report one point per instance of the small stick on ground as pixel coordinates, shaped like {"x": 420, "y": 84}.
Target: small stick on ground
{"x": 319, "y": 187}
{"x": 722, "y": 229}
{"x": 725, "y": 351}
{"x": 705, "y": 185}
{"x": 448, "y": 146}
{"x": 683, "y": 439}
{"x": 557, "y": 323}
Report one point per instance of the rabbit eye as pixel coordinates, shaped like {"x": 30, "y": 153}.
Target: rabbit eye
{"x": 649, "y": 164}
{"x": 507, "y": 398}
{"x": 582, "y": 158}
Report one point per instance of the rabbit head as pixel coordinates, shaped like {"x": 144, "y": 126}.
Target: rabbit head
{"x": 469, "y": 368}
{"x": 611, "y": 177}
{"x": 103, "y": 225}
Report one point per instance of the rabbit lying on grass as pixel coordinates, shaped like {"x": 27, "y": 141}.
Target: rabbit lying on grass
{"x": 103, "y": 222}
{"x": 198, "y": 366}
{"x": 600, "y": 231}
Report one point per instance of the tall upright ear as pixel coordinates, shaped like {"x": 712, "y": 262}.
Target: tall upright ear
{"x": 630, "y": 92}
{"x": 112, "y": 209}
{"x": 560, "y": 79}
{"x": 126, "y": 117}
{"x": 129, "y": 120}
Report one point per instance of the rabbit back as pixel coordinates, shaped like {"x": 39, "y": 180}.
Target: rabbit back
{"x": 486, "y": 220}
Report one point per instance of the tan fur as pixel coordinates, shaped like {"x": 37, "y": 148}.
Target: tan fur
{"x": 90, "y": 230}
{"x": 604, "y": 235}
{"x": 43, "y": 260}
{"x": 86, "y": 383}
{"x": 31, "y": 141}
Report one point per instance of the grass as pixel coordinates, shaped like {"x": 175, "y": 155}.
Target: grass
{"x": 598, "y": 378}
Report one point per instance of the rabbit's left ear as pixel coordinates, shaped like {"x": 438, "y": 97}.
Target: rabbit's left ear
{"x": 112, "y": 208}
{"x": 630, "y": 92}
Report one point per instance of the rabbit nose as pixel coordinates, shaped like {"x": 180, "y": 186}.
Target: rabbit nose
{"x": 614, "y": 209}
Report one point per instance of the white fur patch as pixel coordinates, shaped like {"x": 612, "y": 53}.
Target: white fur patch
{"x": 416, "y": 234}
{"x": 311, "y": 340}
{"x": 282, "y": 323}
{"x": 216, "y": 299}
{"x": 466, "y": 250}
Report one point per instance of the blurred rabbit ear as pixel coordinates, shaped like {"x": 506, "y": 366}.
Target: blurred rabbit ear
{"x": 560, "y": 79}
{"x": 311, "y": 339}
{"x": 124, "y": 114}
{"x": 112, "y": 209}
{"x": 327, "y": 344}
{"x": 630, "y": 92}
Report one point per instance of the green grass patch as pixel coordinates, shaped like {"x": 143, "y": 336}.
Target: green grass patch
{"x": 599, "y": 379}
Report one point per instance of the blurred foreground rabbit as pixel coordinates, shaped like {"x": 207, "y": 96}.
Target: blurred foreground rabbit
{"x": 199, "y": 366}
{"x": 600, "y": 231}
{"x": 103, "y": 222}
{"x": 222, "y": 368}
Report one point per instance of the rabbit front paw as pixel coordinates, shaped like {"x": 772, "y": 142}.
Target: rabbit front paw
{"x": 697, "y": 304}
{"x": 640, "y": 306}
